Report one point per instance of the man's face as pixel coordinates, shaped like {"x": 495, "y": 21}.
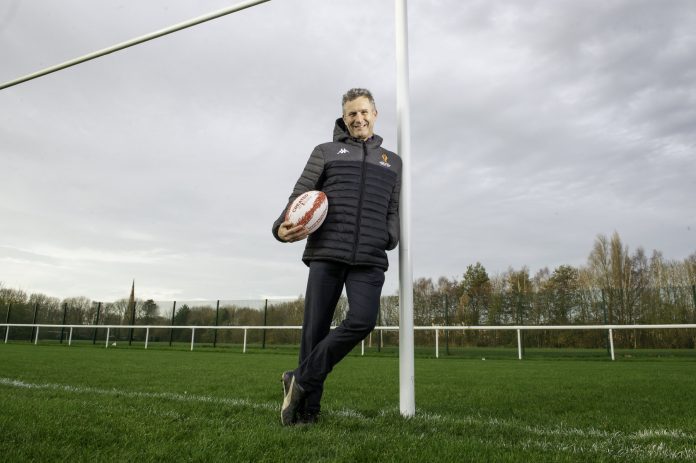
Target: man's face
{"x": 359, "y": 116}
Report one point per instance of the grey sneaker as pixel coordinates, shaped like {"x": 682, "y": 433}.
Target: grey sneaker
{"x": 285, "y": 380}
{"x": 294, "y": 397}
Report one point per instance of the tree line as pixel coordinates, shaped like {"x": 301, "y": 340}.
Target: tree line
{"x": 615, "y": 286}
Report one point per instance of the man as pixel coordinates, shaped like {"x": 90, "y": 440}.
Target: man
{"x": 362, "y": 183}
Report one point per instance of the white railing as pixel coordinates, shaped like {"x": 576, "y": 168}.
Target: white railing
{"x": 519, "y": 328}
{"x": 436, "y": 328}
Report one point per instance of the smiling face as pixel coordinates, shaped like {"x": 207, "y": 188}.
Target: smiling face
{"x": 360, "y": 115}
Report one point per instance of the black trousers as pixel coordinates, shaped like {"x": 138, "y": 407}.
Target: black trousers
{"x": 322, "y": 348}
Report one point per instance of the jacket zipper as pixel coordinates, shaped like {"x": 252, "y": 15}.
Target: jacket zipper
{"x": 360, "y": 203}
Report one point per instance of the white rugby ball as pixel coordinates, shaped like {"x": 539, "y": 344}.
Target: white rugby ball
{"x": 308, "y": 209}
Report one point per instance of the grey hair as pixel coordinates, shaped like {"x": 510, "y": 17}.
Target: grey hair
{"x": 355, "y": 93}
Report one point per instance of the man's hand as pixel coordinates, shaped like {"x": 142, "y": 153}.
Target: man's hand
{"x": 289, "y": 234}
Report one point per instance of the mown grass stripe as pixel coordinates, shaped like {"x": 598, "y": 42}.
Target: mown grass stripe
{"x": 614, "y": 443}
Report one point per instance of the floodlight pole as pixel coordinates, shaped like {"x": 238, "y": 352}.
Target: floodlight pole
{"x": 407, "y": 400}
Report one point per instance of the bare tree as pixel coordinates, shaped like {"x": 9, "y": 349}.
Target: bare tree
{"x": 80, "y": 310}
{"x": 12, "y": 296}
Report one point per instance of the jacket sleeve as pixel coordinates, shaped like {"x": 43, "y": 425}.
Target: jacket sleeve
{"x": 310, "y": 179}
{"x": 393, "y": 215}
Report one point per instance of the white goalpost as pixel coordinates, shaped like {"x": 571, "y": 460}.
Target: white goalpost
{"x": 135, "y": 41}
{"x": 407, "y": 404}
{"x": 407, "y": 395}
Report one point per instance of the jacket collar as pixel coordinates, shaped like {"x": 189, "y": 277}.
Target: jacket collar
{"x": 341, "y": 134}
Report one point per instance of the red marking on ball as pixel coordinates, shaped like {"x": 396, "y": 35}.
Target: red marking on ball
{"x": 309, "y": 209}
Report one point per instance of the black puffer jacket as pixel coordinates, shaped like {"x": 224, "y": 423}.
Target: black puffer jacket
{"x": 362, "y": 182}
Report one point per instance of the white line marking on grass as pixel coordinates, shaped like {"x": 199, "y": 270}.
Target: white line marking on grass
{"x": 613, "y": 443}
{"x": 604, "y": 442}
{"x": 558, "y": 430}
{"x": 185, "y": 397}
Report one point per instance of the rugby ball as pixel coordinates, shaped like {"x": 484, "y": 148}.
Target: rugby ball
{"x": 308, "y": 209}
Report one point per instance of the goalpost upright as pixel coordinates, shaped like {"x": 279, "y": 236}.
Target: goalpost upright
{"x": 407, "y": 401}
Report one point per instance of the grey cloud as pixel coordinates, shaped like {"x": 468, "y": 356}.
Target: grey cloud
{"x": 535, "y": 126}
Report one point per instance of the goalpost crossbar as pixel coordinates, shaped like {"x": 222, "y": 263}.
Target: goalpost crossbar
{"x": 135, "y": 41}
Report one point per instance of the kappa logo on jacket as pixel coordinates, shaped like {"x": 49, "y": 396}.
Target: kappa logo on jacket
{"x": 384, "y": 160}
{"x": 343, "y": 151}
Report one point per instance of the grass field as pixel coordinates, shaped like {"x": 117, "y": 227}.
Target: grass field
{"x": 86, "y": 403}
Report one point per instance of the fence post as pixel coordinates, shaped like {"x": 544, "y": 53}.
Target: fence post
{"x": 171, "y": 331}
{"x": 65, "y": 316}
{"x": 265, "y": 319}
{"x": 519, "y": 344}
{"x": 379, "y": 322}
{"x": 7, "y": 320}
{"x": 36, "y": 340}
{"x": 217, "y": 320}
{"x": 193, "y": 335}
{"x": 606, "y": 320}
{"x": 132, "y": 322}
{"x": 36, "y": 310}
{"x": 245, "y": 339}
{"x": 693, "y": 318}
{"x": 96, "y": 323}
{"x": 108, "y": 329}
{"x": 437, "y": 343}
{"x": 147, "y": 336}
{"x": 447, "y": 324}
{"x": 611, "y": 343}
{"x": 362, "y": 347}
{"x": 70, "y": 337}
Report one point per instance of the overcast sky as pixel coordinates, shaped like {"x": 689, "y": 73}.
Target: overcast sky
{"x": 536, "y": 126}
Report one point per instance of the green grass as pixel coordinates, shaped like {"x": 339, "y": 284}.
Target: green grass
{"x": 85, "y": 403}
